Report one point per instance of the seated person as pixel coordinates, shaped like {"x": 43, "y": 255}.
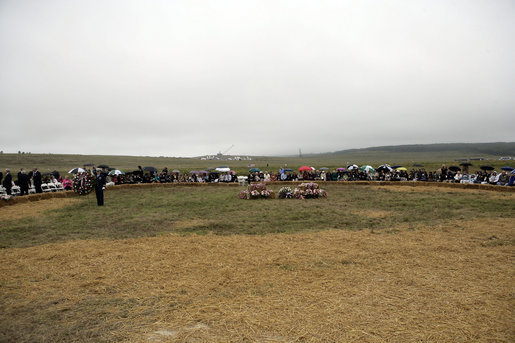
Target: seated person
{"x": 67, "y": 183}
{"x": 503, "y": 179}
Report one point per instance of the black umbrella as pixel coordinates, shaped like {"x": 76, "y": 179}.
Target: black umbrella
{"x": 417, "y": 165}
{"x": 465, "y": 164}
{"x": 89, "y": 165}
{"x": 103, "y": 166}
{"x": 384, "y": 167}
{"x": 454, "y": 168}
{"x": 396, "y": 166}
{"x": 487, "y": 168}
{"x": 150, "y": 169}
{"x": 507, "y": 168}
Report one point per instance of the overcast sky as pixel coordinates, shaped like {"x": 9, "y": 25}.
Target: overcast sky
{"x": 186, "y": 78}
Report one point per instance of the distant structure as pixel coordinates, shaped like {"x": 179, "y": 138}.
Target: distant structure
{"x": 223, "y": 156}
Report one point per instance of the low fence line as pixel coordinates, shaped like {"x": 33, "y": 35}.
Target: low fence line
{"x": 66, "y": 194}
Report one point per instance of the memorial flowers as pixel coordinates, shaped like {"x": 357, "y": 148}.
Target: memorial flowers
{"x": 83, "y": 183}
{"x": 256, "y": 191}
{"x": 309, "y": 190}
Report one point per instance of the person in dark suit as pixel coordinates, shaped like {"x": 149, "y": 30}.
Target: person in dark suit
{"x": 23, "y": 182}
{"x": 8, "y": 182}
{"x": 36, "y": 178}
{"x": 99, "y": 187}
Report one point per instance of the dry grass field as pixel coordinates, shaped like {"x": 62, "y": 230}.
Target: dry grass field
{"x": 407, "y": 272}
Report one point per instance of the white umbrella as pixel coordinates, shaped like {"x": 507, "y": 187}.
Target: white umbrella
{"x": 223, "y": 169}
{"x": 76, "y": 170}
{"x": 116, "y": 172}
{"x": 352, "y": 167}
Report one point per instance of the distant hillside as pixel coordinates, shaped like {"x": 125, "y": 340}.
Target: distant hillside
{"x": 493, "y": 149}
{"x": 423, "y": 152}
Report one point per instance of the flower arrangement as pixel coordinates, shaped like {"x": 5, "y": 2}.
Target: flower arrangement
{"x": 83, "y": 183}
{"x": 256, "y": 191}
{"x": 309, "y": 190}
{"x": 285, "y": 193}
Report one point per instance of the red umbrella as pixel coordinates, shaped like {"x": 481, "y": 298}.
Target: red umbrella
{"x": 305, "y": 168}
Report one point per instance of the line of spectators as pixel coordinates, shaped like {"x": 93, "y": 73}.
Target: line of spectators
{"x": 33, "y": 181}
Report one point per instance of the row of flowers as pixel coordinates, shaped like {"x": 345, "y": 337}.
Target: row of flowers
{"x": 308, "y": 190}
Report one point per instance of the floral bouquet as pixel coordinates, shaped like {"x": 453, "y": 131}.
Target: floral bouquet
{"x": 267, "y": 194}
{"x": 257, "y": 187}
{"x": 83, "y": 183}
{"x": 309, "y": 190}
{"x": 285, "y": 193}
{"x": 256, "y": 191}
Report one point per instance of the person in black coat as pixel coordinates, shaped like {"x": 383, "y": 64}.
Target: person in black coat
{"x": 99, "y": 187}
{"x": 23, "y": 182}
{"x": 8, "y": 182}
{"x": 36, "y": 178}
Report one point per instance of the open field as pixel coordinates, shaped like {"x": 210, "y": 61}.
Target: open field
{"x": 196, "y": 264}
{"x": 63, "y": 163}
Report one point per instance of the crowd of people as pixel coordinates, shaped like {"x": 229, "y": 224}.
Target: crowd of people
{"x": 419, "y": 174}
{"x": 33, "y": 181}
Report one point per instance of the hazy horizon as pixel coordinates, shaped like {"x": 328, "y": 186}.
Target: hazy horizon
{"x": 250, "y": 155}
{"x": 193, "y": 78}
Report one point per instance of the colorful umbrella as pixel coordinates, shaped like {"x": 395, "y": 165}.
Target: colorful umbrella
{"x": 367, "y": 169}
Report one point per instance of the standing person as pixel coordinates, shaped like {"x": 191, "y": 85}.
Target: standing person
{"x": 36, "y": 178}
{"x": 99, "y": 187}
{"x": 23, "y": 182}
{"x": 8, "y": 182}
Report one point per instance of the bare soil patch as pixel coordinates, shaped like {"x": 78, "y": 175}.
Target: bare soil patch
{"x": 450, "y": 283}
{"x": 34, "y": 208}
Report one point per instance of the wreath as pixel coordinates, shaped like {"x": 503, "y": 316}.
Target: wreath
{"x": 83, "y": 183}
